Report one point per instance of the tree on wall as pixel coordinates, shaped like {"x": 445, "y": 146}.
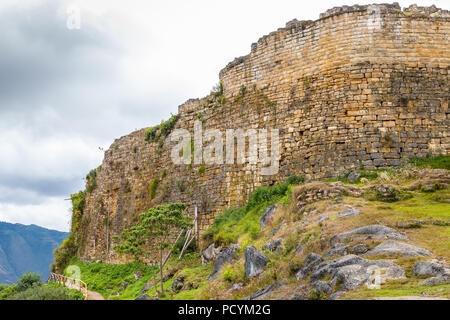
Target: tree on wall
{"x": 157, "y": 229}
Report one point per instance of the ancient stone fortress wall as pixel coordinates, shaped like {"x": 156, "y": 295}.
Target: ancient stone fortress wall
{"x": 361, "y": 86}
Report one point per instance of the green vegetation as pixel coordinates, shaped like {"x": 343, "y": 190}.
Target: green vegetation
{"x": 69, "y": 247}
{"x": 153, "y": 134}
{"x": 232, "y": 223}
{"x": 437, "y": 162}
{"x": 201, "y": 170}
{"x": 114, "y": 278}
{"x": 155, "y": 228}
{"x": 153, "y": 187}
{"x": 30, "y": 287}
{"x": 91, "y": 180}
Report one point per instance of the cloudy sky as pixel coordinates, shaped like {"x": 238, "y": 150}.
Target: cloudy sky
{"x": 65, "y": 93}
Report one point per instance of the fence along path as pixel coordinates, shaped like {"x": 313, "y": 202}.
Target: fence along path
{"x": 76, "y": 284}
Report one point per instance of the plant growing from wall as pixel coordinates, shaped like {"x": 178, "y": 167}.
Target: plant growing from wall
{"x": 91, "y": 180}
{"x": 153, "y": 187}
{"x": 153, "y": 134}
{"x": 157, "y": 228}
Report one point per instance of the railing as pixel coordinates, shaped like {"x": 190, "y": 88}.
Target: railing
{"x": 71, "y": 283}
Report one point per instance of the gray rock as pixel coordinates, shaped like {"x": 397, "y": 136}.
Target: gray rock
{"x": 298, "y": 296}
{"x": 309, "y": 263}
{"x": 338, "y": 249}
{"x": 124, "y": 285}
{"x": 323, "y": 287}
{"x": 349, "y": 213}
{"x": 392, "y": 247}
{"x": 322, "y": 218}
{"x": 147, "y": 287}
{"x": 227, "y": 255}
{"x": 138, "y": 274}
{"x": 143, "y": 297}
{"x": 267, "y": 216}
{"x": 209, "y": 254}
{"x": 353, "y": 176}
{"x": 236, "y": 286}
{"x": 261, "y": 293}
{"x": 359, "y": 249}
{"x": 352, "y": 271}
{"x": 428, "y": 269}
{"x": 177, "y": 284}
{"x": 374, "y": 231}
{"x": 255, "y": 262}
{"x": 299, "y": 249}
{"x": 436, "y": 280}
{"x": 275, "y": 245}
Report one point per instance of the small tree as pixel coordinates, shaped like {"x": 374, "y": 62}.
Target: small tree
{"x": 157, "y": 229}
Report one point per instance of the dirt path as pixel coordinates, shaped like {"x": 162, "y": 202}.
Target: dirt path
{"x": 95, "y": 296}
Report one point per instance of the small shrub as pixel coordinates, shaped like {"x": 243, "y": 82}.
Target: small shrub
{"x": 234, "y": 273}
{"x": 28, "y": 280}
{"x": 201, "y": 170}
{"x": 153, "y": 187}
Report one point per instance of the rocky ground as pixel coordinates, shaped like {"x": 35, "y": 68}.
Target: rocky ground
{"x": 361, "y": 239}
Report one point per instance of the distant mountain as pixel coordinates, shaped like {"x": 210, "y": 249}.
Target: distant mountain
{"x": 26, "y": 248}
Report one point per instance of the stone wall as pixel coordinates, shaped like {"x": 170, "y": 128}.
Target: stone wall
{"x": 361, "y": 86}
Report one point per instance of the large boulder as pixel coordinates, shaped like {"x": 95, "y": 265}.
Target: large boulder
{"x": 275, "y": 245}
{"x": 227, "y": 255}
{"x": 210, "y": 254}
{"x": 267, "y": 216}
{"x": 255, "y": 262}
{"x": 392, "y": 247}
{"x": 372, "y": 231}
{"x": 428, "y": 268}
{"x": 350, "y": 272}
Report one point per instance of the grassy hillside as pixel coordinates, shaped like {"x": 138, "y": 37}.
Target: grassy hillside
{"x": 414, "y": 200}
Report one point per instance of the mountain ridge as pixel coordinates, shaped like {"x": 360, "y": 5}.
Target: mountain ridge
{"x": 26, "y": 248}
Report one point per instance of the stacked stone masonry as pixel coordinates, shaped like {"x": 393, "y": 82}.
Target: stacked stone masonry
{"x": 361, "y": 86}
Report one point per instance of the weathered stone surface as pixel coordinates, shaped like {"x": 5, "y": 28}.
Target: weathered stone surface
{"x": 143, "y": 297}
{"x": 309, "y": 263}
{"x": 322, "y": 287}
{"x": 428, "y": 269}
{"x": 353, "y": 176}
{"x": 227, "y": 255}
{"x": 322, "y": 218}
{"x": 392, "y": 247}
{"x": 267, "y": 216}
{"x": 275, "y": 245}
{"x": 255, "y": 262}
{"x": 177, "y": 284}
{"x": 374, "y": 231}
{"x": 147, "y": 287}
{"x": 359, "y": 249}
{"x": 260, "y": 294}
{"x": 352, "y": 271}
{"x": 338, "y": 249}
{"x": 209, "y": 254}
{"x": 349, "y": 213}
{"x": 436, "y": 280}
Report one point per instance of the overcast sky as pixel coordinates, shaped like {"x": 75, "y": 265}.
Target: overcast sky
{"x": 66, "y": 92}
